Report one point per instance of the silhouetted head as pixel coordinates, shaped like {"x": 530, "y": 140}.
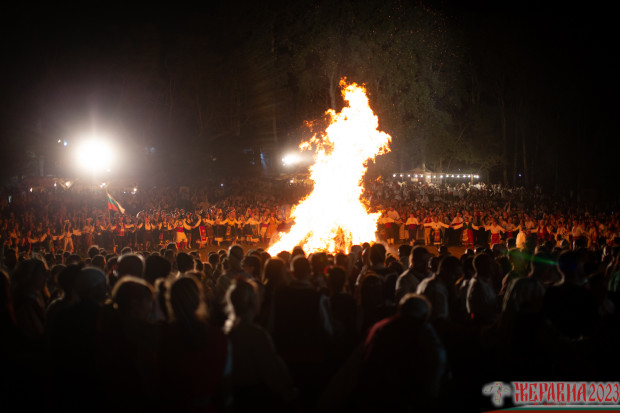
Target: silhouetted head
{"x": 133, "y": 297}
{"x": 300, "y": 267}
{"x": 131, "y": 264}
{"x": 415, "y": 306}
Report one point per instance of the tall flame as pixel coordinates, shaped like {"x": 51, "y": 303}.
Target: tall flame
{"x": 332, "y": 218}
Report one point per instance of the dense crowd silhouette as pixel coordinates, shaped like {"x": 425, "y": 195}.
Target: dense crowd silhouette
{"x": 154, "y": 323}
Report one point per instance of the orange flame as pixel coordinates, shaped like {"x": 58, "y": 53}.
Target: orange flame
{"x": 332, "y": 218}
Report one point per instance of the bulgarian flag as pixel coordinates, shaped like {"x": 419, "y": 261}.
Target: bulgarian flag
{"x": 114, "y": 205}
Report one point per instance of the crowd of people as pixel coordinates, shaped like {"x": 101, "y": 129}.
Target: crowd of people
{"x": 252, "y": 212}
{"x": 157, "y": 326}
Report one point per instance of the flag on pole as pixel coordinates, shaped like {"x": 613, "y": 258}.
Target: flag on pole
{"x": 114, "y": 205}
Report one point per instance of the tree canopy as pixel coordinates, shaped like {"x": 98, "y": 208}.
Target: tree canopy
{"x": 512, "y": 95}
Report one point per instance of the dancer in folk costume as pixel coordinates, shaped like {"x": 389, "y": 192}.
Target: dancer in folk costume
{"x": 88, "y": 230}
{"x": 272, "y": 228}
{"x": 191, "y": 224}
{"x": 138, "y": 227}
{"x": 97, "y": 232}
{"x": 387, "y": 232}
{"x": 511, "y": 228}
{"x": 395, "y": 225}
{"x": 181, "y": 226}
{"x": 435, "y": 225}
{"x": 67, "y": 234}
{"x": 412, "y": 224}
{"x": 495, "y": 229}
{"x": 146, "y": 229}
{"x": 530, "y": 228}
{"x": 561, "y": 233}
{"x": 35, "y": 240}
{"x": 543, "y": 232}
{"x": 456, "y": 225}
{"x": 264, "y": 225}
{"x": 118, "y": 229}
{"x": 156, "y": 234}
{"x": 230, "y": 228}
{"x": 250, "y": 229}
{"x": 209, "y": 222}
{"x": 77, "y": 236}
{"x": 179, "y": 232}
{"x": 107, "y": 234}
{"x": 203, "y": 230}
{"x": 428, "y": 219}
{"x": 130, "y": 235}
{"x": 219, "y": 229}
{"x": 467, "y": 233}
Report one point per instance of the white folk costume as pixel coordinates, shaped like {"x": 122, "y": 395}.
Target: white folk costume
{"x": 436, "y": 226}
{"x": 264, "y": 224}
{"x": 412, "y": 225}
{"x": 250, "y": 230}
{"x": 495, "y": 230}
{"x": 427, "y": 230}
{"x": 67, "y": 234}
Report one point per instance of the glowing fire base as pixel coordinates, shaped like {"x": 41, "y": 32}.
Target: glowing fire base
{"x": 333, "y": 218}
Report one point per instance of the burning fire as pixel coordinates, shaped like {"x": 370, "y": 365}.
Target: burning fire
{"x": 332, "y": 218}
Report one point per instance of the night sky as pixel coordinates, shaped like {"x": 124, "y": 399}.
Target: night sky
{"x": 206, "y": 92}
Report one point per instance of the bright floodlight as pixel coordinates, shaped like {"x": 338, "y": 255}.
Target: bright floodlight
{"x": 95, "y": 155}
{"x": 291, "y": 159}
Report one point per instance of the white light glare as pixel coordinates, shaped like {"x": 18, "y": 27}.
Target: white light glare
{"x": 291, "y": 159}
{"x": 95, "y": 155}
